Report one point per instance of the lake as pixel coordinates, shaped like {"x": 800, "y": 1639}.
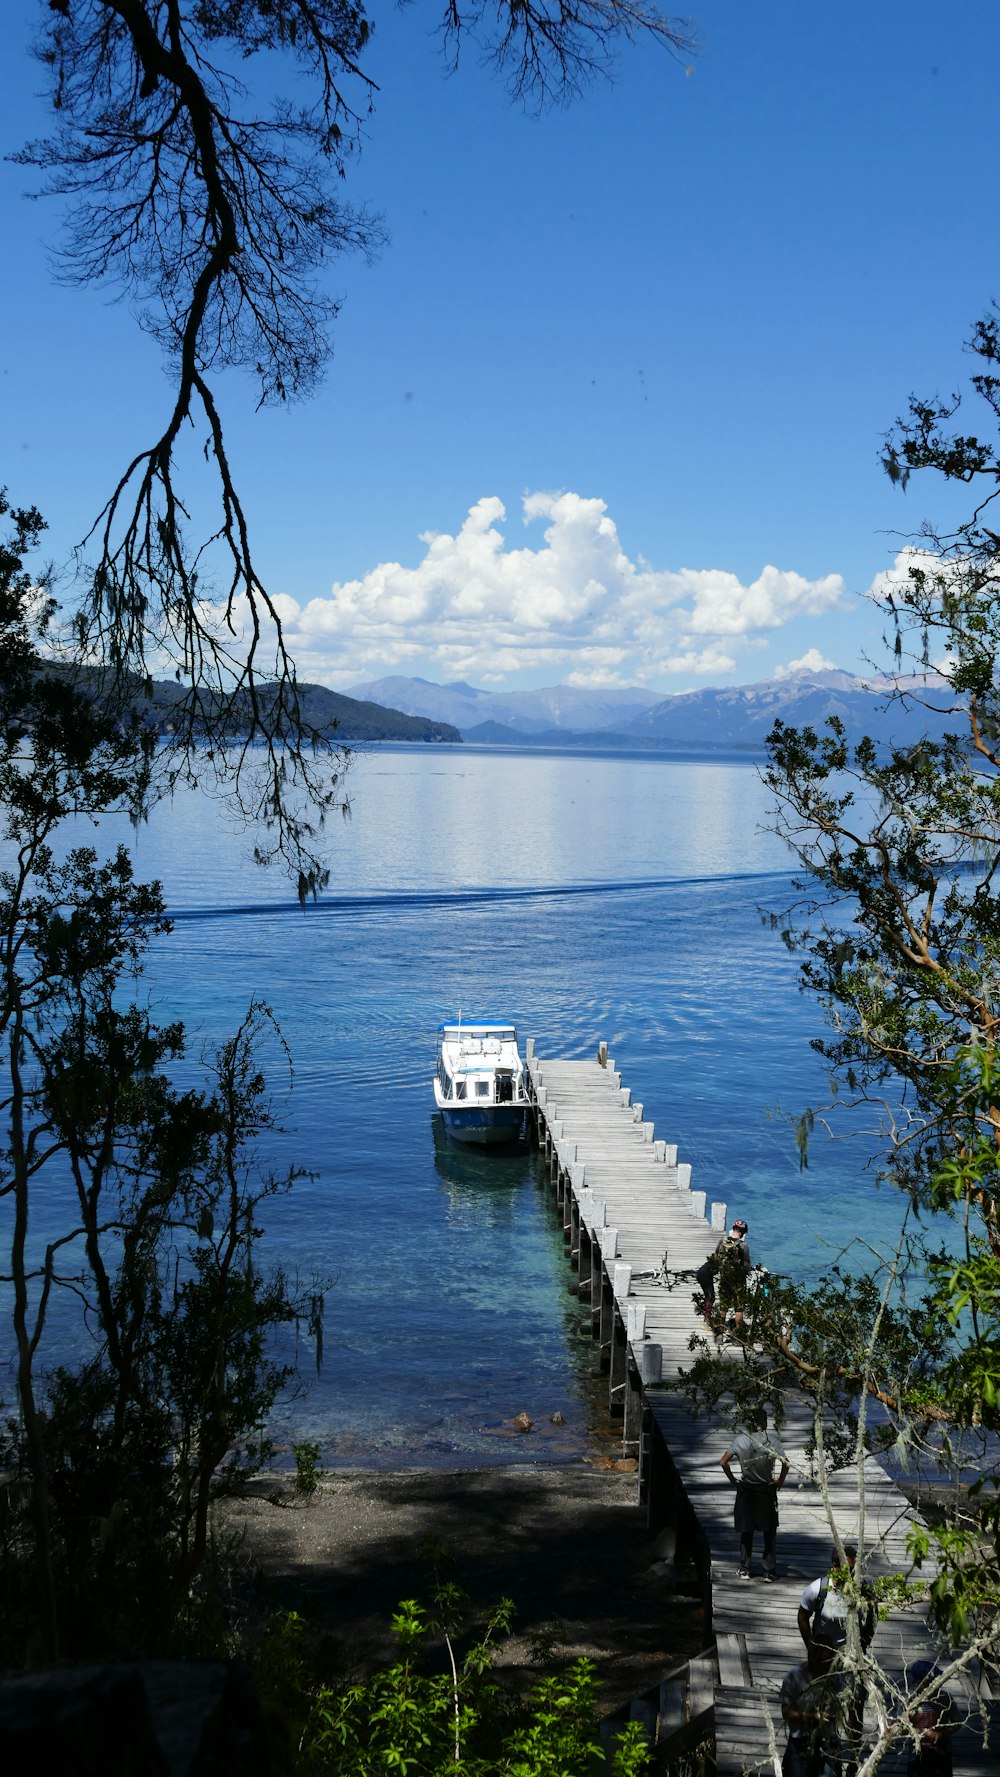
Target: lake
{"x": 586, "y": 897}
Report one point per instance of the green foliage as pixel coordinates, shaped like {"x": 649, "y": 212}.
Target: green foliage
{"x": 965, "y": 1590}
{"x": 307, "y": 1469}
{"x": 898, "y": 929}
{"x": 901, "y": 938}
{"x": 129, "y": 1204}
{"x": 419, "y": 1721}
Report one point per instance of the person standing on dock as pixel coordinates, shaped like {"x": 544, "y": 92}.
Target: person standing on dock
{"x": 723, "y": 1277}
{"x": 934, "y": 1721}
{"x": 811, "y": 1709}
{"x": 757, "y": 1451}
{"x": 822, "y": 1620}
{"x": 822, "y": 1614}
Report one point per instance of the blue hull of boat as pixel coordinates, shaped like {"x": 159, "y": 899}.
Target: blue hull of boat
{"x": 486, "y": 1125}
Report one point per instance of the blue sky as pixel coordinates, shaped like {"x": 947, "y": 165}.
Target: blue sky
{"x": 609, "y": 406}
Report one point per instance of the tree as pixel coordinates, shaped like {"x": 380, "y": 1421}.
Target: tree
{"x": 899, "y": 929}
{"x": 216, "y": 219}
{"x": 131, "y": 1207}
{"x": 907, "y": 841}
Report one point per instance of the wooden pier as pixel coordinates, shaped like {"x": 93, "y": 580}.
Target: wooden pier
{"x": 632, "y": 1222}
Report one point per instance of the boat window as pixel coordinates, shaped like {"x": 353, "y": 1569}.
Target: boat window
{"x": 482, "y": 1088}
{"x": 459, "y": 1088}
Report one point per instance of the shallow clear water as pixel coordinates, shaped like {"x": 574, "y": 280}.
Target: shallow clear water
{"x": 586, "y": 898}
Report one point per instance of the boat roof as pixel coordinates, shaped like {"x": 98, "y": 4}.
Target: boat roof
{"x": 475, "y": 1027}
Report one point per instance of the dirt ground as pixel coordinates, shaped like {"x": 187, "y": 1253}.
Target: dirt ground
{"x": 568, "y": 1544}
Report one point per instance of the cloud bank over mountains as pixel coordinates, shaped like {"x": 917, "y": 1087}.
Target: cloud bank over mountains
{"x": 574, "y": 604}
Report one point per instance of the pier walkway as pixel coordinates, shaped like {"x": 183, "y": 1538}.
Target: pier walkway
{"x": 632, "y": 1223}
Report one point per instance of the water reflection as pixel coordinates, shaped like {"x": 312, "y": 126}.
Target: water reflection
{"x": 481, "y": 1186}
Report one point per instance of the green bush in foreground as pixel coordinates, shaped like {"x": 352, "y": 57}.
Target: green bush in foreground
{"x": 419, "y": 1723}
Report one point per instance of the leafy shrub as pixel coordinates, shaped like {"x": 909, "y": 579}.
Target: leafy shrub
{"x": 307, "y": 1470}
{"x": 459, "y": 1721}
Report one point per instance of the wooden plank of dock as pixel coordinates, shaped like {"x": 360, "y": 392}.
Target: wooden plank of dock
{"x": 633, "y": 1221}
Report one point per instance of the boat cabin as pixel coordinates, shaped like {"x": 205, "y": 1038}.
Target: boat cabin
{"x": 478, "y": 1062}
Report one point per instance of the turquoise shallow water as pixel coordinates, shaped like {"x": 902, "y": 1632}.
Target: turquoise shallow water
{"x": 586, "y": 898}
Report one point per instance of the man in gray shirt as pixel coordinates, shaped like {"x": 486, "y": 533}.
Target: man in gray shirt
{"x": 757, "y": 1451}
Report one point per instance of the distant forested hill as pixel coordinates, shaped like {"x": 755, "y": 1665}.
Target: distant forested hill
{"x": 330, "y": 712}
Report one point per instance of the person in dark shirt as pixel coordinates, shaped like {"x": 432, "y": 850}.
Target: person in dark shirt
{"x": 723, "y": 1277}
{"x": 933, "y": 1719}
{"x": 811, "y": 1708}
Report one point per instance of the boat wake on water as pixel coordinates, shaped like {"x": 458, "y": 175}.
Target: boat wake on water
{"x": 417, "y": 899}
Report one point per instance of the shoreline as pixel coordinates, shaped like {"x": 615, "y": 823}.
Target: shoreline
{"x": 566, "y": 1542}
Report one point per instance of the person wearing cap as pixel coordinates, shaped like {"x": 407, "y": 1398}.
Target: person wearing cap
{"x": 931, "y": 1714}
{"x": 758, "y": 1452}
{"x": 723, "y": 1276}
{"x": 734, "y": 1265}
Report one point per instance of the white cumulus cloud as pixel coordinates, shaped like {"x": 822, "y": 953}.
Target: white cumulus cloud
{"x": 570, "y": 602}
{"x": 812, "y": 661}
{"x": 887, "y": 585}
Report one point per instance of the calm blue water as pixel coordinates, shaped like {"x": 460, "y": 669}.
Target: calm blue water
{"x": 586, "y": 898}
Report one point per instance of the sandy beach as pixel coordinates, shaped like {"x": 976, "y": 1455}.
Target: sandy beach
{"x": 568, "y": 1544}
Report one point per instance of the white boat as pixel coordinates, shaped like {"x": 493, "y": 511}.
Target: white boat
{"x": 479, "y": 1082}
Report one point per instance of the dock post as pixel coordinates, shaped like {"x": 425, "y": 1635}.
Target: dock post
{"x": 719, "y": 1218}
{"x": 609, "y": 1248}
{"x": 698, "y": 1204}
{"x": 650, "y": 1360}
{"x": 603, "y": 1314}
{"x": 583, "y": 1261}
{"x": 602, "y": 1054}
{"x": 596, "y": 1286}
{"x": 633, "y": 1403}
{"x": 618, "y": 1356}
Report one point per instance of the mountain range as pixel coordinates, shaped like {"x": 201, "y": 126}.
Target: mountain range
{"x": 731, "y": 719}
{"x": 557, "y": 708}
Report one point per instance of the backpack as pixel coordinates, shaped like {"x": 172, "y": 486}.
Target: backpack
{"x": 836, "y": 1627}
{"x": 729, "y": 1252}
